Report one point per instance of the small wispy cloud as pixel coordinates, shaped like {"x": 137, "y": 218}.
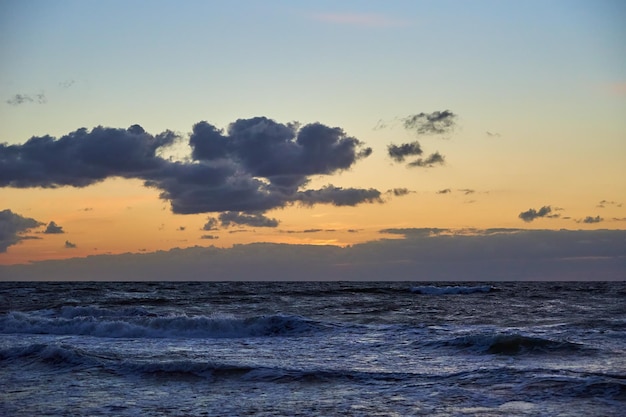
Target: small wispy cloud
{"x": 18, "y": 99}
{"x": 359, "y": 19}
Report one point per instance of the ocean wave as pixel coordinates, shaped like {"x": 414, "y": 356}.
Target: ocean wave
{"x": 60, "y": 355}
{"x": 137, "y": 323}
{"x": 63, "y": 357}
{"x": 511, "y": 344}
{"x": 434, "y": 290}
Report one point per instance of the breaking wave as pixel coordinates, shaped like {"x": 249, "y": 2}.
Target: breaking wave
{"x": 511, "y": 344}
{"x": 139, "y": 323}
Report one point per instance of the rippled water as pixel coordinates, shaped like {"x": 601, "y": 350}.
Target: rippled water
{"x": 489, "y": 349}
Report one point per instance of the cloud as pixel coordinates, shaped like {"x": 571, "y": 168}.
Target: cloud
{"x": 444, "y": 191}
{"x": 399, "y": 152}
{"x": 435, "y": 123}
{"x": 18, "y": 99}
{"x": 590, "y": 220}
{"x": 399, "y": 192}
{"x": 255, "y": 165}
{"x": 493, "y": 134}
{"x": 339, "y": 196}
{"x": 209, "y": 237}
{"x": 467, "y": 191}
{"x": 69, "y": 245}
{"x": 12, "y": 227}
{"x": 359, "y": 19}
{"x": 67, "y": 83}
{"x": 211, "y": 224}
{"x": 532, "y": 214}
{"x": 429, "y": 162}
{"x": 413, "y": 255}
{"x": 604, "y": 203}
{"x": 230, "y": 218}
{"x": 53, "y": 228}
{"x": 82, "y": 158}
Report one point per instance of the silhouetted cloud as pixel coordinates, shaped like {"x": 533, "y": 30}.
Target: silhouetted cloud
{"x": 211, "y": 224}
{"x": 53, "y": 228}
{"x": 82, "y": 158}
{"x": 230, "y": 218}
{"x": 429, "y": 162}
{"x": 604, "y": 203}
{"x": 467, "y": 191}
{"x": 69, "y": 245}
{"x": 399, "y": 152}
{"x": 18, "y": 99}
{"x": 590, "y": 219}
{"x": 12, "y": 227}
{"x": 256, "y": 165}
{"x": 532, "y": 214}
{"x": 412, "y": 255}
{"x": 399, "y": 192}
{"x": 209, "y": 237}
{"x": 435, "y": 123}
{"x": 339, "y": 196}
{"x": 493, "y": 134}
{"x": 444, "y": 191}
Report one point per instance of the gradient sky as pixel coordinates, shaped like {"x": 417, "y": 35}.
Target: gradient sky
{"x": 533, "y": 94}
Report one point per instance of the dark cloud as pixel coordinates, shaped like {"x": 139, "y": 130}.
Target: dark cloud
{"x": 399, "y": 192}
{"x": 211, "y": 224}
{"x": 429, "y": 162}
{"x": 18, "y": 99}
{"x": 413, "y": 255}
{"x": 230, "y": 218}
{"x": 399, "y": 152}
{"x": 339, "y": 196}
{"x": 181, "y": 228}
{"x": 82, "y": 158}
{"x": 53, "y": 228}
{"x": 12, "y": 227}
{"x": 604, "y": 203}
{"x": 255, "y": 165}
{"x": 467, "y": 191}
{"x": 444, "y": 191}
{"x": 590, "y": 219}
{"x": 493, "y": 134}
{"x": 435, "y": 123}
{"x": 532, "y": 214}
{"x": 69, "y": 245}
{"x": 209, "y": 237}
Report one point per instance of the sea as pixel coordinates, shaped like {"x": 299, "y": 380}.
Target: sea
{"x": 313, "y": 349}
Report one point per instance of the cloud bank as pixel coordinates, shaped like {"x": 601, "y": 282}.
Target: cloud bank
{"x": 413, "y": 255}
{"x": 255, "y": 165}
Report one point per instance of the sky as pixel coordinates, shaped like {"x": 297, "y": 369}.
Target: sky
{"x": 333, "y": 133}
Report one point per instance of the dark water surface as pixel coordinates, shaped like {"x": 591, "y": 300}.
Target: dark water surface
{"x": 312, "y": 348}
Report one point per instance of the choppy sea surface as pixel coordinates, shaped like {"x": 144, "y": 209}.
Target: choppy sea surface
{"x": 313, "y": 349}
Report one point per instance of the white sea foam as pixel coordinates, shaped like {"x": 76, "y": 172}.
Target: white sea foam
{"x": 106, "y": 323}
